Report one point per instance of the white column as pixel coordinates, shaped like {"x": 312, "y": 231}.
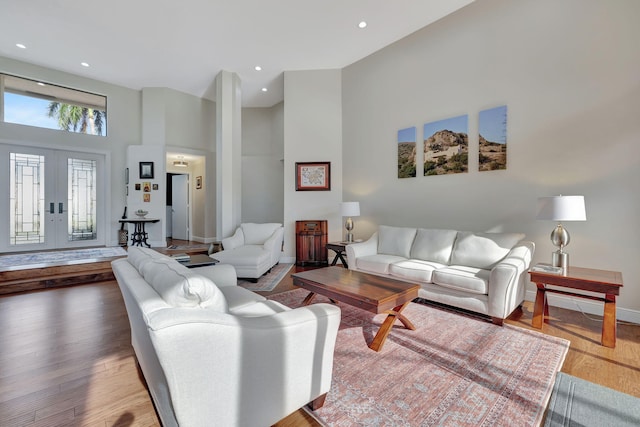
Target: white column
{"x": 228, "y": 153}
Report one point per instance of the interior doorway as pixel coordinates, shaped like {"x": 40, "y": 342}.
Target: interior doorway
{"x": 178, "y": 206}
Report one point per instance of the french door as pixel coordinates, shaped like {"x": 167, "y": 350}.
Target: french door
{"x": 50, "y": 199}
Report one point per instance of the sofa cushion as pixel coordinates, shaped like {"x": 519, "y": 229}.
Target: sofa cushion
{"x": 463, "y": 278}
{"x": 257, "y": 234}
{"x": 414, "y": 270}
{"x": 395, "y": 240}
{"x": 483, "y": 250}
{"x": 248, "y": 255}
{"x": 137, "y": 256}
{"x": 180, "y": 287}
{"x": 433, "y": 245}
{"x": 378, "y": 263}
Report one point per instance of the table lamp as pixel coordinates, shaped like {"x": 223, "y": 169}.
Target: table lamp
{"x": 350, "y": 209}
{"x": 561, "y": 208}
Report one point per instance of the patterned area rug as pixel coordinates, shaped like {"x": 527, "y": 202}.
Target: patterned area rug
{"x": 269, "y": 280}
{"x": 453, "y": 370}
{"x": 60, "y": 256}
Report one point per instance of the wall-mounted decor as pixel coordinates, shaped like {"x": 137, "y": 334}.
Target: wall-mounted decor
{"x": 146, "y": 187}
{"x": 198, "y": 182}
{"x": 155, "y": 186}
{"x": 146, "y": 197}
{"x": 313, "y": 176}
{"x": 492, "y": 150}
{"x": 407, "y": 153}
{"x": 146, "y": 170}
{"x": 446, "y": 146}
{"x": 126, "y": 176}
{"x": 138, "y": 186}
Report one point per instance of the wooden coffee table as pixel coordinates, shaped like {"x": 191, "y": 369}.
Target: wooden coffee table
{"x": 368, "y": 292}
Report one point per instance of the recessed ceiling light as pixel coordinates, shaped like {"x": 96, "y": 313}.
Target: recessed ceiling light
{"x": 264, "y": 89}
{"x": 362, "y": 24}
{"x": 84, "y": 64}
{"x": 21, "y": 46}
{"x": 258, "y": 68}
{"x": 41, "y": 84}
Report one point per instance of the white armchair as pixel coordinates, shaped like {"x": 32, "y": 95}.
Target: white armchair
{"x": 253, "y": 249}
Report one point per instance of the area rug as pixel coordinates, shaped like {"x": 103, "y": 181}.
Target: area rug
{"x": 60, "y": 256}
{"x": 268, "y": 281}
{"x": 576, "y": 402}
{"x": 453, "y": 370}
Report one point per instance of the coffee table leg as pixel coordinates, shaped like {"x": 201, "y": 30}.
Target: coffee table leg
{"x": 308, "y": 299}
{"x": 540, "y": 307}
{"x": 381, "y": 336}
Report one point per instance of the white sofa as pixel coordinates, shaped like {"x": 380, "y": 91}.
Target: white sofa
{"x": 253, "y": 249}
{"x": 218, "y": 354}
{"x": 481, "y": 272}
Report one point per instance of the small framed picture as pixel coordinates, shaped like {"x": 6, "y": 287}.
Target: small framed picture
{"x": 198, "y": 182}
{"x": 146, "y": 197}
{"x": 146, "y": 170}
{"x": 146, "y": 187}
{"x": 155, "y": 186}
{"x": 313, "y": 176}
{"x": 138, "y": 186}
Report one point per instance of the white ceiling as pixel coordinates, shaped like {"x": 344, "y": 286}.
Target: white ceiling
{"x": 184, "y": 44}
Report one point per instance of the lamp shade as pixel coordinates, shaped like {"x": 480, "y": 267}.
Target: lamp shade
{"x": 561, "y": 208}
{"x": 350, "y": 209}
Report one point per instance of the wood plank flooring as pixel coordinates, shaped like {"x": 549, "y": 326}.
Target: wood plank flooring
{"x": 66, "y": 358}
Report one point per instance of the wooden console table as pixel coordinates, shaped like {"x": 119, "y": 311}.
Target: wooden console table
{"x": 584, "y": 279}
{"x": 139, "y": 236}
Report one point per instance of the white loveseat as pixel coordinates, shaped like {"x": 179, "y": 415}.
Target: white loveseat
{"x": 218, "y": 354}
{"x": 481, "y": 272}
{"x": 253, "y": 249}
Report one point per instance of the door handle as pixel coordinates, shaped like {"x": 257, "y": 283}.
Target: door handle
{"x": 52, "y": 208}
{"x": 60, "y": 207}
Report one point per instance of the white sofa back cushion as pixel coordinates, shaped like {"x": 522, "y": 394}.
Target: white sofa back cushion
{"x": 482, "y": 250}
{"x": 395, "y": 240}
{"x": 179, "y": 287}
{"x": 433, "y": 245}
{"x": 257, "y": 234}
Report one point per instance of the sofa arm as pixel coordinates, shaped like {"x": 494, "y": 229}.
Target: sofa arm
{"x": 274, "y": 245}
{"x": 220, "y": 274}
{"x": 234, "y": 241}
{"x": 357, "y": 250}
{"x": 244, "y": 370}
{"x": 507, "y": 284}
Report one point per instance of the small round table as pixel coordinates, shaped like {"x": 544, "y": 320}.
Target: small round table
{"x": 139, "y": 236}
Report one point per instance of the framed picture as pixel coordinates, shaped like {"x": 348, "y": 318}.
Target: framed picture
{"x": 313, "y": 176}
{"x": 138, "y": 186}
{"x": 155, "y": 186}
{"x": 146, "y": 187}
{"x": 146, "y": 197}
{"x": 198, "y": 182}
{"x": 126, "y": 176}
{"x": 146, "y": 170}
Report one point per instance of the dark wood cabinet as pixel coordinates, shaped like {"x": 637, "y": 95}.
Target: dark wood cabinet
{"x": 311, "y": 242}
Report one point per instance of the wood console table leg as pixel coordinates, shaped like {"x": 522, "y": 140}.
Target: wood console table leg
{"x": 540, "y": 307}
{"x": 609, "y": 324}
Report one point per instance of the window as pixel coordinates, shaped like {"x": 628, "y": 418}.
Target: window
{"x": 33, "y": 103}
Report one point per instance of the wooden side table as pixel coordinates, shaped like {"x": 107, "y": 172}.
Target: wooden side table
{"x": 584, "y": 279}
{"x": 340, "y": 249}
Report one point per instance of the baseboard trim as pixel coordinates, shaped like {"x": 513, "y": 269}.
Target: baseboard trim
{"x": 288, "y": 259}
{"x": 586, "y": 306}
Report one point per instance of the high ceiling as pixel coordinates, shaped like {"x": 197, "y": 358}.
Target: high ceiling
{"x": 184, "y": 44}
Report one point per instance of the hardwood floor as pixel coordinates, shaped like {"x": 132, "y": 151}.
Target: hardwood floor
{"x": 66, "y": 358}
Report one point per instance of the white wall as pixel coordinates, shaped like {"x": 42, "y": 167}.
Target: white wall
{"x": 263, "y": 164}
{"x": 123, "y": 129}
{"x": 312, "y": 132}
{"x": 569, "y": 73}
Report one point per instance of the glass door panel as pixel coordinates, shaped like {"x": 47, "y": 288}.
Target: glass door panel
{"x": 53, "y": 199}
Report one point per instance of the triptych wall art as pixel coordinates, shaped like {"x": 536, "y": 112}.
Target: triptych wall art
{"x": 445, "y": 148}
